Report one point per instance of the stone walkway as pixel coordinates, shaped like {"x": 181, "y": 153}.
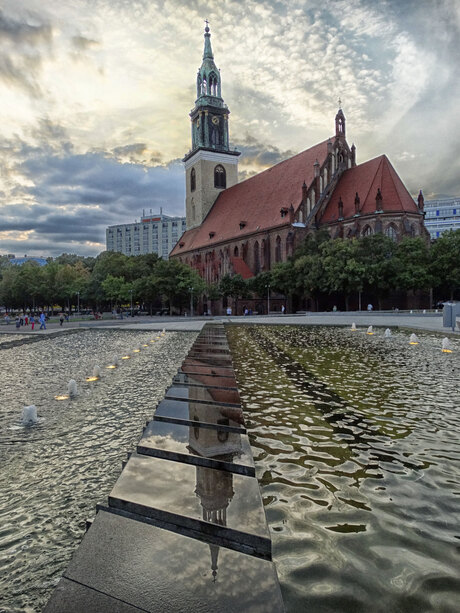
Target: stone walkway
{"x": 418, "y": 321}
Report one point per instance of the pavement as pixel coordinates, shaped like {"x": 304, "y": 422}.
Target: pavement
{"x": 388, "y": 319}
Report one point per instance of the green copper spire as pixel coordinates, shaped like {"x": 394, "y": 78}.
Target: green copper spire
{"x": 207, "y": 54}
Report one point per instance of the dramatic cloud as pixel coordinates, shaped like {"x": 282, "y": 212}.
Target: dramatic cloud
{"x": 96, "y": 96}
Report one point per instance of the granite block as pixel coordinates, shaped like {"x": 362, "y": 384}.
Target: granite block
{"x": 216, "y": 502}
{"x": 160, "y": 571}
{"x": 210, "y": 447}
{"x": 220, "y": 417}
{"x": 205, "y": 381}
{"x": 71, "y": 597}
{"x": 204, "y": 395}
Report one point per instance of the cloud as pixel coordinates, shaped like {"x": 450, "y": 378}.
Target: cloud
{"x": 91, "y": 142}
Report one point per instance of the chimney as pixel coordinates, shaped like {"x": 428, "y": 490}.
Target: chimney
{"x": 353, "y": 155}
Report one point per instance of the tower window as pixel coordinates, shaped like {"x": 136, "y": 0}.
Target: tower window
{"x": 193, "y": 180}
{"x": 220, "y": 180}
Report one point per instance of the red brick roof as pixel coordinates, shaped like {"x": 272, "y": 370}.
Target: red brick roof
{"x": 241, "y": 268}
{"x": 366, "y": 179}
{"x": 255, "y": 202}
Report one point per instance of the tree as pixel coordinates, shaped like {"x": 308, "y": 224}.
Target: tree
{"x": 412, "y": 259}
{"x": 178, "y": 282}
{"x": 344, "y": 271}
{"x": 376, "y": 253}
{"x": 234, "y": 286}
{"x": 445, "y": 262}
{"x": 116, "y": 289}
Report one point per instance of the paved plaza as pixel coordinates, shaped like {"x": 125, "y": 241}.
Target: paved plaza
{"x": 418, "y": 321}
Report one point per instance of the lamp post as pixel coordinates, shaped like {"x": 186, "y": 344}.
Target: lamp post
{"x": 78, "y": 302}
{"x": 268, "y": 298}
{"x": 131, "y": 293}
{"x": 190, "y": 289}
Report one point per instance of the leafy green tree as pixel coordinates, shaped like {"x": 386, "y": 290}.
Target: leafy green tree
{"x": 445, "y": 262}
{"x": 344, "y": 272}
{"x": 376, "y": 252}
{"x": 175, "y": 282}
{"x": 412, "y": 259}
{"x": 116, "y": 289}
{"x": 234, "y": 286}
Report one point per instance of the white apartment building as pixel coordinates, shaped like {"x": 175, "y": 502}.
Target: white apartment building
{"x": 154, "y": 233}
{"x": 442, "y": 215}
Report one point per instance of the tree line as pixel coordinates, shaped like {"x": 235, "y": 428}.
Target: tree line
{"x": 321, "y": 266}
{"x": 374, "y": 265}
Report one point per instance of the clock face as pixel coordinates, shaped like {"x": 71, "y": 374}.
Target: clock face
{"x": 215, "y": 120}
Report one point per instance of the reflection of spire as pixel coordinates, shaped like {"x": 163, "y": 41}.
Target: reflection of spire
{"x": 214, "y": 555}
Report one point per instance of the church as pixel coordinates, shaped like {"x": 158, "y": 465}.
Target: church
{"x": 246, "y": 228}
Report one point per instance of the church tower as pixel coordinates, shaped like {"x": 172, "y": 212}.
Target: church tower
{"x": 210, "y": 166}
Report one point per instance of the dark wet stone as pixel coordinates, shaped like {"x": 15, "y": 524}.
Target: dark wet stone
{"x": 163, "y": 572}
{"x": 197, "y": 445}
{"x": 197, "y": 363}
{"x": 225, "y": 505}
{"x": 71, "y": 597}
{"x": 205, "y": 381}
{"x": 211, "y": 395}
{"x": 216, "y": 416}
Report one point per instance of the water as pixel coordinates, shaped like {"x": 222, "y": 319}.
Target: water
{"x": 357, "y": 447}
{"x": 53, "y": 473}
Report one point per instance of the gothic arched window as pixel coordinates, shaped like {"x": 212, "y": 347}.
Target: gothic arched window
{"x": 367, "y": 231}
{"x": 391, "y": 232}
{"x": 236, "y": 252}
{"x": 278, "y": 249}
{"x": 256, "y": 258}
{"x": 220, "y": 179}
{"x": 193, "y": 180}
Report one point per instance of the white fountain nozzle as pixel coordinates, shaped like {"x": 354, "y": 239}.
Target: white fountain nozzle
{"x": 29, "y": 415}
{"x": 370, "y": 330}
{"x": 446, "y": 345}
{"x": 387, "y": 333}
{"x": 96, "y": 371}
{"x": 72, "y": 388}
{"x": 353, "y": 327}
{"x": 115, "y": 360}
{"x": 413, "y": 339}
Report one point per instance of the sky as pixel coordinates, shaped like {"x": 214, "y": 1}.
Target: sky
{"x": 95, "y": 97}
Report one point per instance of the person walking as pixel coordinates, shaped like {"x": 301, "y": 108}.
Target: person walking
{"x": 61, "y": 319}
{"x": 42, "y": 321}
{"x": 32, "y": 321}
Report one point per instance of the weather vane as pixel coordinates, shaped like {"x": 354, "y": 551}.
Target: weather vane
{"x": 207, "y": 23}
{"x": 340, "y": 104}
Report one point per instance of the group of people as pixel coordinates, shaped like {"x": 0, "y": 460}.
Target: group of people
{"x": 24, "y": 319}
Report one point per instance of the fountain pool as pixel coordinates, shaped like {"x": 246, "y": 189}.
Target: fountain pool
{"x": 54, "y": 472}
{"x": 357, "y": 447}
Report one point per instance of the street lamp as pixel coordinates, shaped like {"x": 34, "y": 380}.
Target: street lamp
{"x": 78, "y": 302}
{"x": 131, "y": 292}
{"x": 190, "y": 289}
{"x": 268, "y": 299}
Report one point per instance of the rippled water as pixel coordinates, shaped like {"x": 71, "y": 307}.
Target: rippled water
{"x": 357, "y": 447}
{"x": 53, "y": 474}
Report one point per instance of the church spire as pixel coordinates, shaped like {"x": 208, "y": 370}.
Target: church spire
{"x": 208, "y": 84}
{"x": 207, "y": 43}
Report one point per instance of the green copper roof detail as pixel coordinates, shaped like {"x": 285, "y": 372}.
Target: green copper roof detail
{"x": 207, "y": 54}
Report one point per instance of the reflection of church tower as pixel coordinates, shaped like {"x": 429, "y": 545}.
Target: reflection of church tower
{"x": 210, "y": 166}
{"x": 215, "y": 490}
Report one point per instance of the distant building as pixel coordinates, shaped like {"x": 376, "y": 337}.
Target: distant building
{"x": 27, "y": 258}
{"x": 155, "y": 233}
{"x": 442, "y": 215}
